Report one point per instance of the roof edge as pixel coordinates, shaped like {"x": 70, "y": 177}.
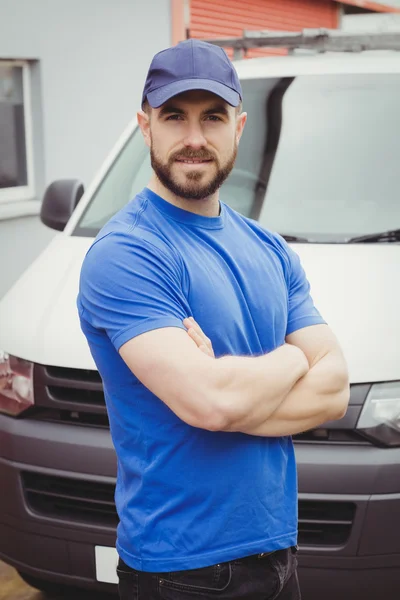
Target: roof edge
{"x": 374, "y": 6}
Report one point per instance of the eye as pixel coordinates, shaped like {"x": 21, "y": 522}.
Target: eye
{"x": 213, "y": 118}
{"x": 174, "y": 118}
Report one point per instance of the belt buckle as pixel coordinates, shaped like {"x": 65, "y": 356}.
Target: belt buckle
{"x": 264, "y": 554}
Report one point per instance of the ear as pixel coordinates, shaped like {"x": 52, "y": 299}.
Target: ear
{"x": 143, "y": 120}
{"x": 240, "y": 123}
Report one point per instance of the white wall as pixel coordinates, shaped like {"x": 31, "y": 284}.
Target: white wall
{"x": 376, "y": 22}
{"x": 93, "y": 57}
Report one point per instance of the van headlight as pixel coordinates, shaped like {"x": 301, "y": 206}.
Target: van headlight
{"x": 16, "y": 384}
{"x": 380, "y": 416}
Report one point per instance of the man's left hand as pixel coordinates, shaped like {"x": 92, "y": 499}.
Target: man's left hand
{"x": 199, "y": 337}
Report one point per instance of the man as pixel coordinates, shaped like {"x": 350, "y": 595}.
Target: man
{"x": 206, "y": 488}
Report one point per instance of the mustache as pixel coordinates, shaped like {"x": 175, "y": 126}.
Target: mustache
{"x": 201, "y": 154}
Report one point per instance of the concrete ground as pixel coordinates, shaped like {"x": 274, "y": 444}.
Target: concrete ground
{"x": 13, "y": 588}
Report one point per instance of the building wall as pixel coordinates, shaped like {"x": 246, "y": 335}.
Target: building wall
{"x": 92, "y": 57}
{"x": 21, "y": 241}
{"x": 228, "y": 18}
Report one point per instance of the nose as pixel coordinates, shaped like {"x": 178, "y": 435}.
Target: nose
{"x": 194, "y": 137}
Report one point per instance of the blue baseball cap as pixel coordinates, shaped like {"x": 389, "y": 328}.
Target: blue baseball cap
{"x": 191, "y": 65}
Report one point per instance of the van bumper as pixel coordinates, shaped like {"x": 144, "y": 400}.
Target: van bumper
{"x": 58, "y": 548}
{"x": 53, "y": 548}
{"x": 367, "y": 565}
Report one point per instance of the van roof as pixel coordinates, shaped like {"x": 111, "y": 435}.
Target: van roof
{"x": 376, "y": 61}
{"x": 316, "y": 51}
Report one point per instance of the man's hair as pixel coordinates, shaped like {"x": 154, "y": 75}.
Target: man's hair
{"x": 147, "y": 108}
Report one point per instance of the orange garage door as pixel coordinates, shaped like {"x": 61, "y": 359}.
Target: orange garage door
{"x": 228, "y": 18}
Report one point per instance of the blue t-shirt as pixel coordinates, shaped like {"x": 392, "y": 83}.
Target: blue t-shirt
{"x": 187, "y": 497}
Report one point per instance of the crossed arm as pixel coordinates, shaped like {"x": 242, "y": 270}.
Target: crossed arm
{"x": 321, "y": 394}
{"x": 294, "y": 388}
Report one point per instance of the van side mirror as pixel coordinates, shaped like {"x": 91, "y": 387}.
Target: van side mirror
{"x": 59, "y": 202}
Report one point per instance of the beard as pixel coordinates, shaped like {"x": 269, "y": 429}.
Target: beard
{"x": 193, "y": 188}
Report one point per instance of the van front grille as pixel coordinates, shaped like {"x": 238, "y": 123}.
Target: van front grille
{"x": 70, "y": 417}
{"x": 81, "y": 396}
{"x": 70, "y": 396}
{"x": 92, "y": 502}
{"x": 77, "y": 500}
{"x": 331, "y": 436}
{"x": 74, "y": 374}
{"x": 76, "y": 397}
{"x": 325, "y": 523}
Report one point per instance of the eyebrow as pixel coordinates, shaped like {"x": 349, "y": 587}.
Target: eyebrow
{"x": 169, "y": 109}
{"x": 218, "y": 109}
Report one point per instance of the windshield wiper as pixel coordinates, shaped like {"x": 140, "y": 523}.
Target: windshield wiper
{"x": 295, "y": 238}
{"x": 392, "y": 235}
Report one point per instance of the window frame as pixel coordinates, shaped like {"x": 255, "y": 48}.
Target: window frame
{"x": 23, "y": 192}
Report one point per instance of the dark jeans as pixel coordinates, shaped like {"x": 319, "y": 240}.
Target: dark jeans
{"x": 259, "y": 577}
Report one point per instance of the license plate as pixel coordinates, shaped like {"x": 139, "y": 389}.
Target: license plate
{"x": 106, "y": 559}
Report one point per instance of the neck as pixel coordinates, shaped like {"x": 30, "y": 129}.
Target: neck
{"x": 208, "y": 207}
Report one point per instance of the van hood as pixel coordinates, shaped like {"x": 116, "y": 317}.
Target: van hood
{"x": 38, "y": 315}
{"x": 353, "y": 286}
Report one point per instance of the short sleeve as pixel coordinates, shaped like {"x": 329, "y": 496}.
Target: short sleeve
{"x": 128, "y": 287}
{"x": 302, "y": 312}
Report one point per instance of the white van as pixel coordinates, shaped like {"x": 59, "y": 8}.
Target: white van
{"x": 319, "y": 163}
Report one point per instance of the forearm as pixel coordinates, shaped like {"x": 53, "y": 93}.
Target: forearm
{"x": 250, "y": 389}
{"x": 321, "y": 395}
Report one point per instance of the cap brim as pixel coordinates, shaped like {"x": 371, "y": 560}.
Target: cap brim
{"x": 160, "y": 96}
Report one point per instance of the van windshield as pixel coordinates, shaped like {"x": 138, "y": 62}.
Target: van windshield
{"x": 318, "y": 161}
